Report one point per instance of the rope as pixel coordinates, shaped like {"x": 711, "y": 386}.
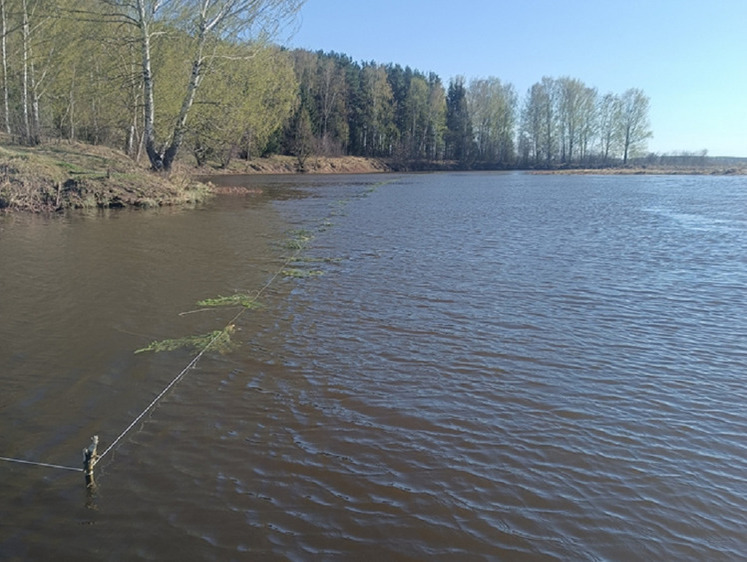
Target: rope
{"x": 190, "y": 365}
{"x": 44, "y": 464}
{"x": 156, "y": 399}
{"x": 168, "y": 387}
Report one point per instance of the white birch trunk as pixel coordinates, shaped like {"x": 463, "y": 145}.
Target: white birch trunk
{"x": 6, "y": 101}
{"x": 148, "y": 102}
{"x": 26, "y": 56}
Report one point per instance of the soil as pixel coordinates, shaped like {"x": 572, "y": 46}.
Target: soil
{"x": 291, "y": 165}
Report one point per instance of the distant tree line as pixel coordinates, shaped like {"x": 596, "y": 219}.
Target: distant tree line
{"x": 565, "y": 122}
{"x": 159, "y": 78}
{"x": 388, "y": 111}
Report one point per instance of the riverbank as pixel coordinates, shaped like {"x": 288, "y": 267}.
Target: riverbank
{"x": 361, "y": 165}
{"x": 277, "y": 164}
{"x": 651, "y": 171}
{"x": 64, "y": 175}
{"x": 67, "y": 175}
{"x": 55, "y": 177}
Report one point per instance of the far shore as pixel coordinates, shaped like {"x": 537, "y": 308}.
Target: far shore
{"x": 645, "y": 170}
{"x": 362, "y": 165}
{"x": 57, "y": 176}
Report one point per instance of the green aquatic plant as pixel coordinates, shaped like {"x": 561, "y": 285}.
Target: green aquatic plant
{"x": 238, "y": 299}
{"x": 303, "y": 259}
{"x": 301, "y": 273}
{"x": 298, "y": 239}
{"x": 218, "y": 340}
{"x": 338, "y": 208}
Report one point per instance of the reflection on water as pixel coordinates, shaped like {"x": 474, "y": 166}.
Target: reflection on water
{"x": 491, "y": 366}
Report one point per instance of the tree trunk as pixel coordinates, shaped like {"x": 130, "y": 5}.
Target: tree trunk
{"x": 181, "y": 122}
{"x": 35, "y": 112}
{"x": 5, "y": 67}
{"x": 156, "y": 161}
{"x": 163, "y": 161}
{"x": 26, "y": 56}
{"x": 71, "y": 108}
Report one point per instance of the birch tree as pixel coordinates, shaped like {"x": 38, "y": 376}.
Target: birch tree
{"x": 416, "y": 111}
{"x": 492, "y": 109}
{"x": 570, "y": 115}
{"x": 205, "y": 22}
{"x": 242, "y": 106}
{"x": 436, "y": 117}
{"x": 459, "y": 134}
{"x": 331, "y": 103}
{"x": 539, "y": 120}
{"x": 634, "y": 124}
{"x": 377, "y": 110}
{"x": 588, "y": 128}
{"x": 608, "y": 118}
{"x": 4, "y": 51}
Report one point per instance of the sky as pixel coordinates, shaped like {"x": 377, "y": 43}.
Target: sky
{"x": 689, "y": 57}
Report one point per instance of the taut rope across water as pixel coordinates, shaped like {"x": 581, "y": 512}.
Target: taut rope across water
{"x": 92, "y": 459}
{"x": 43, "y": 464}
{"x": 190, "y": 365}
{"x": 92, "y": 462}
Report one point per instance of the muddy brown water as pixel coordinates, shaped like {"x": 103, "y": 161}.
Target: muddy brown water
{"x": 470, "y": 366}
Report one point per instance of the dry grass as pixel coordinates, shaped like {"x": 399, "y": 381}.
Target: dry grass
{"x": 65, "y": 175}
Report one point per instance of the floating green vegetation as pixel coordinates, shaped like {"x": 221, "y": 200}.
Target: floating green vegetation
{"x": 304, "y": 259}
{"x": 338, "y": 208}
{"x": 219, "y": 340}
{"x": 239, "y": 299}
{"x": 298, "y": 239}
{"x": 301, "y": 273}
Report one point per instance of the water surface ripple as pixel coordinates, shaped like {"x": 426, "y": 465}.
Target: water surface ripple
{"x": 493, "y": 366}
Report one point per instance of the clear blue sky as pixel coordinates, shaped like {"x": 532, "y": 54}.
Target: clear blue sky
{"x": 688, "y": 56}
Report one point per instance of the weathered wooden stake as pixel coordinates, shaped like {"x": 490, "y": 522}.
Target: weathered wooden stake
{"x": 89, "y": 460}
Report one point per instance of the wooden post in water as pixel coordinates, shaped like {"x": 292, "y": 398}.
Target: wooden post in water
{"x": 90, "y": 457}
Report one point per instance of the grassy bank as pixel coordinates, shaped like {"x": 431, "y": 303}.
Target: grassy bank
{"x": 58, "y": 176}
{"x": 62, "y": 176}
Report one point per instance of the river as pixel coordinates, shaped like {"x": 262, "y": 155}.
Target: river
{"x": 457, "y": 366}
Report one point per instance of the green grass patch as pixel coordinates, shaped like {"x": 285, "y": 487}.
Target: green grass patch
{"x": 72, "y": 168}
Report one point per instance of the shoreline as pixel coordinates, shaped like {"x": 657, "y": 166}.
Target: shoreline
{"x": 56, "y": 177}
{"x": 290, "y": 165}
{"x": 646, "y": 171}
